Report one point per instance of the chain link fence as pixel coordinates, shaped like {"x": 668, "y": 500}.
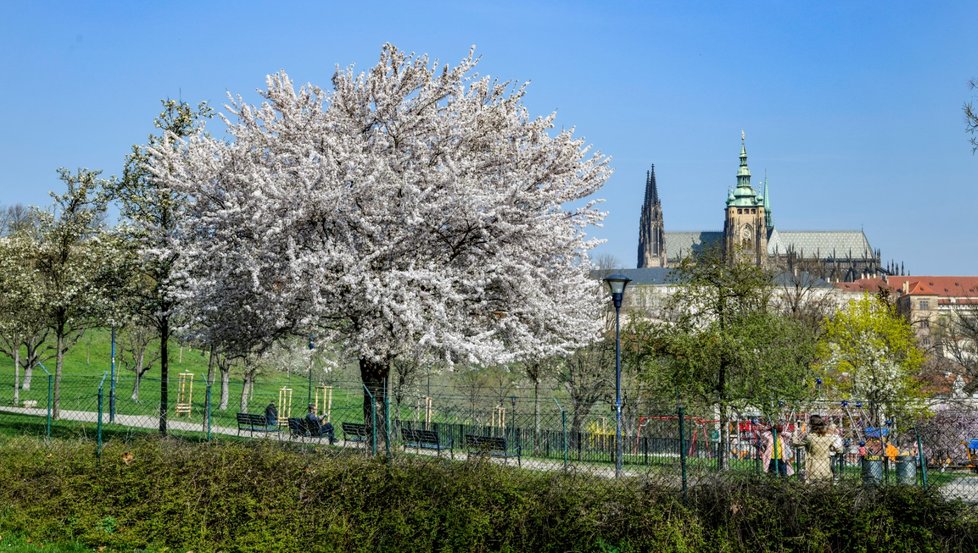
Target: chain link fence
{"x": 672, "y": 448}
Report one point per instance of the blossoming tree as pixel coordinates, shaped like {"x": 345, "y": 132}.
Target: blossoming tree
{"x": 415, "y": 209}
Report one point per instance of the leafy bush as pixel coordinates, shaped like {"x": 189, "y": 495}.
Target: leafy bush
{"x": 155, "y": 494}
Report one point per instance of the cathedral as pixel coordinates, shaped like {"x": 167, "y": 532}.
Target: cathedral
{"x": 749, "y": 230}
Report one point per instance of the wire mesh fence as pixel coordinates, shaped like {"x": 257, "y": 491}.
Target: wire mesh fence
{"x": 674, "y": 448}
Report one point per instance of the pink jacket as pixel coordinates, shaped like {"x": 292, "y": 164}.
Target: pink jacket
{"x": 784, "y": 450}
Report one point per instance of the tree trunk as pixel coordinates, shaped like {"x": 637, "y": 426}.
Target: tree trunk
{"x": 210, "y": 385}
{"x": 374, "y": 376}
{"x": 16, "y": 372}
{"x": 225, "y": 385}
{"x": 139, "y": 372}
{"x": 164, "y": 371}
{"x": 724, "y": 437}
{"x": 536, "y": 413}
{"x": 135, "y": 386}
{"x": 249, "y": 377}
{"x": 25, "y": 384}
{"x": 59, "y": 365}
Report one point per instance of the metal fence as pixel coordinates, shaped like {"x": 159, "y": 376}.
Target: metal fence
{"x": 675, "y": 449}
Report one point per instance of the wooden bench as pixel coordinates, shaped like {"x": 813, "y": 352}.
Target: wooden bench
{"x": 254, "y": 423}
{"x": 354, "y": 432}
{"x": 423, "y": 439}
{"x": 491, "y": 447}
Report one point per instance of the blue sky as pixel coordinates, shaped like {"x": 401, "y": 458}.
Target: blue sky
{"x": 852, "y": 108}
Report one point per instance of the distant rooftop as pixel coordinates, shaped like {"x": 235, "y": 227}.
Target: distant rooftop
{"x": 944, "y": 286}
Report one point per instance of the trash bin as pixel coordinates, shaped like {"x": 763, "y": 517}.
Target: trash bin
{"x": 872, "y": 471}
{"x": 906, "y": 470}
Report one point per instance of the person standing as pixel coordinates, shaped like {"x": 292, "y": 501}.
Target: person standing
{"x": 819, "y": 447}
{"x": 775, "y": 454}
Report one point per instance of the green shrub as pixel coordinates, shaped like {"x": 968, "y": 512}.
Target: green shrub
{"x": 161, "y": 494}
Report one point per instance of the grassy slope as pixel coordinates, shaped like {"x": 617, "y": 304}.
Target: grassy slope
{"x": 89, "y": 359}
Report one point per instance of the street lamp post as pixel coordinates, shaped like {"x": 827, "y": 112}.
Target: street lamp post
{"x": 617, "y": 284}
{"x": 312, "y": 346}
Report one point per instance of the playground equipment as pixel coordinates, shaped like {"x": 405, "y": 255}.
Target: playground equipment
{"x": 185, "y": 394}
{"x": 284, "y": 405}
{"x": 323, "y": 398}
{"x": 427, "y": 411}
{"x": 971, "y": 446}
{"x": 499, "y": 417}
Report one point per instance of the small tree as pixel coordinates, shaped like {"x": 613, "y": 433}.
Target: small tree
{"x": 152, "y": 213}
{"x": 870, "y": 352}
{"x": 138, "y": 353}
{"x": 956, "y": 337}
{"x": 724, "y": 346}
{"x": 75, "y": 264}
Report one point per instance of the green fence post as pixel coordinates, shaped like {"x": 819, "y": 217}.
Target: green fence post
{"x": 373, "y": 418}
{"x": 682, "y": 448}
{"x": 50, "y": 395}
{"x": 387, "y": 418}
{"x": 98, "y": 449}
{"x": 207, "y": 410}
{"x": 563, "y": 430}
{"x": 922, "y": 459}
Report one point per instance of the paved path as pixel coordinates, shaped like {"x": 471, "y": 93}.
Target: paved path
{"x": 134, "y": 421}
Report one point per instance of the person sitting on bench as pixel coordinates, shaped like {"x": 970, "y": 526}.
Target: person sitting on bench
{"x": 319, "y": 426}
{"x": 271, "y": 416}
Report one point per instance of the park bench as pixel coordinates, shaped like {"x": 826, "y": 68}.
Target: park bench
{"x": 298, "y": 428}
{"x": 424, "y": 439}
{"x": 491, "y": 447}
{"x": 254, "y": 423}
{"x": 354, "y": 432}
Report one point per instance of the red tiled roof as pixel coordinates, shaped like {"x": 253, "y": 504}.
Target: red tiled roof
{"x": 944, "y": 286}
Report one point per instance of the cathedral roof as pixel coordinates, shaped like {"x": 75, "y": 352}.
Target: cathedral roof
{"x": 644, "y": 276}
{"x": 823, "y": 244}
{"x": 681, "y": 244}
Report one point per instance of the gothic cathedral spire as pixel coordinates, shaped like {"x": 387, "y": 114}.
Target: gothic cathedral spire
{"x": 651, "y": 236}
{"x": 745, "y": 227}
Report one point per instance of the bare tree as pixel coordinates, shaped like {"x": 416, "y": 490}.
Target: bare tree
{"x": 971, "y": 118}
{"x": 587, "y": 380}
{"x": 138, "y": 354}
{"x": 957, "y": 338}
{"x": 801, "y": 295}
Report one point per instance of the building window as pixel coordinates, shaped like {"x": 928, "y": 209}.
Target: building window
{"x": 924, "y": 323}
{"x": 925, "y": 304}
{"x": 740, "y": 211}
{"x": 925, "y": 342}
{"x": 753, "y": 210}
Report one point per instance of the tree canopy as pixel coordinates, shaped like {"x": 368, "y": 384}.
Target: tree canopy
{"x": 869, "y": 352}
{"x": 416, "y": 207}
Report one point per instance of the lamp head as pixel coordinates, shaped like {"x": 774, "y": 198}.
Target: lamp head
{"x": 617, "y": 283}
